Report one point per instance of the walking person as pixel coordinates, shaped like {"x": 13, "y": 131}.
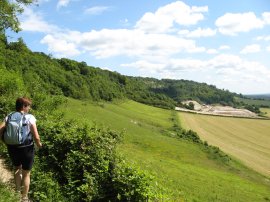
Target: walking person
{"x": 21, "y": 149}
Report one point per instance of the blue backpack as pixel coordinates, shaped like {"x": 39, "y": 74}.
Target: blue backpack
{"x": 16, "y": 130}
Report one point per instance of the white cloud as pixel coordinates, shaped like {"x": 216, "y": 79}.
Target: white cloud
{"x": 212, "y": 51}
{"x": 253, "y": 48}
{"x": 62, "y": 3}
{"x": 145, "y": 65}
{"x": 96, "y": 10}
{"x": 224, "y": 47}
{"x": 268, "y": 48}
{"x": 201, "y": 33}
{"x": 224, "y": 63}
{"x": 264, "y": 38}
{"x": 266, "y": 17}
{"x": 60, "y": 47}
{"x": 233, "y": 23}
{"x": 34, "y": 22}
{"x": 123, "y": 42}
{"x": 164, "y": 18}
{"x": 227, "y": 71}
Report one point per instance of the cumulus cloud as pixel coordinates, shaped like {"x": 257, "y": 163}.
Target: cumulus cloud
{"x": 62, "y": 3}
{"x": 96, "y": 10}
{"x": 164, "y": 18}
{"x": 34, "y": 22}
{"x": 60, "y": 46}
{"x": 228, "y": 70}
{"x": 253, "y": 48}
{"x": 212, "y": 51}
{"x": 224, "y": 47}
{"x": 107, "y": 43}
{"x": 266, "y": 17}
{"x": 264, "y": 38}
{"x": 233, "y": 23}
{"x": 199, "y": 32}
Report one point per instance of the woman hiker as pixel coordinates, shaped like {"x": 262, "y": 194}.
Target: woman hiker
{"x": 21, "y": 153}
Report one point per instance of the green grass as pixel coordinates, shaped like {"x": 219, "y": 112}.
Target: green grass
{"x": 7, "y": 194}
{"x": 182, "y": 170}
{"x": 254, "y": 101}
{"x": 246, "y": 139}
{"x": 266, "y": 111}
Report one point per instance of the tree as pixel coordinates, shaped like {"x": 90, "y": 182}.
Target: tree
{"x": 9, "y": 11}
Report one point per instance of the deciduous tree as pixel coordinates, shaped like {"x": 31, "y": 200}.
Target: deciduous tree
{"x": 9, "y": 11}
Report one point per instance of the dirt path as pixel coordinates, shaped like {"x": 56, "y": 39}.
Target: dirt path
{"x": 5, "y": 174}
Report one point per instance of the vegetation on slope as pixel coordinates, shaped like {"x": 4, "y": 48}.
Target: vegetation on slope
{"x": 183, "y": 169}
{"x": 64, "y": 76}
{"x": 78, "y": 161}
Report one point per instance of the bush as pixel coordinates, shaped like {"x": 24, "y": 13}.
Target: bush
{"x": 80, "y": 161}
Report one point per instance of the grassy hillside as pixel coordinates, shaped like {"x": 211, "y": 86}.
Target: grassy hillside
{"x": 182, "y": 170}
{"x": 246, "y": 139}
{"x": 256, "y": 102}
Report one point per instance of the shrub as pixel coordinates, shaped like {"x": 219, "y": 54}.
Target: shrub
{"x": 80, "y": 161}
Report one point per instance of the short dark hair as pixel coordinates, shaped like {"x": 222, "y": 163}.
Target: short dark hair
{"x": 22, "y": 102}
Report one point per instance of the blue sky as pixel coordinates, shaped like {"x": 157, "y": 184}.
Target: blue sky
{"x": 224, "y": 43}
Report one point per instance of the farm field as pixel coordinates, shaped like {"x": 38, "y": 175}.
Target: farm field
{"x": 183, "y": 170}
{"x": 266, "y": 111}
{"x": 246, "y": 139}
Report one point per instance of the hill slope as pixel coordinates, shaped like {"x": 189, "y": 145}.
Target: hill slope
{"x": 64, "y": 76}
{"x": 245, "y": 139}
{"x": 183, "y": 170}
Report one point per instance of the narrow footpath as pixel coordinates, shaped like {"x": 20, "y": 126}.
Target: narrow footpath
{"x": 5, "y": 174}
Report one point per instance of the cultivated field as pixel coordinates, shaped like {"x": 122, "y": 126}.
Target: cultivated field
{"x": 183, "y": 170}
{"x": 246, "y": 139}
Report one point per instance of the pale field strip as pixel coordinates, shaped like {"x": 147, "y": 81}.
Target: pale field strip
{"x": 246, "y": 139}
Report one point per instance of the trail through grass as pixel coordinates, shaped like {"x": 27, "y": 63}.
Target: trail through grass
{"x": 182, "y": 170}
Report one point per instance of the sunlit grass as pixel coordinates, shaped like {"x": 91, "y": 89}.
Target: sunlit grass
{"x": 182, "y": 169}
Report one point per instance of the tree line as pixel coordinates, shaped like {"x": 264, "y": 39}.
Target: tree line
{"x": 78, "y": 80}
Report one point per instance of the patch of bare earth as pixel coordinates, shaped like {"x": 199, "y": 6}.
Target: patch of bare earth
{"x": 218, "y": 110}
{"x": 5, "y": 174}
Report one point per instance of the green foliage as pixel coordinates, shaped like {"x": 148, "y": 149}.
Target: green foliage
{"x": 190, "y": 135}
{"x": 253, "y": 108}
{"x": 6, "y": 194}
{"x": 8, "y": 14}
{"x": 65, "y": 76}
{"x": 132, "y": 184}
{"x": 11, "y": 87}
{"x": 190, "y": 105}
{"x": 183, "y": 170}
{"x": 44, "y": 187}
{"x": 81, "y": 163}
{"x": 181, "y": 90}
